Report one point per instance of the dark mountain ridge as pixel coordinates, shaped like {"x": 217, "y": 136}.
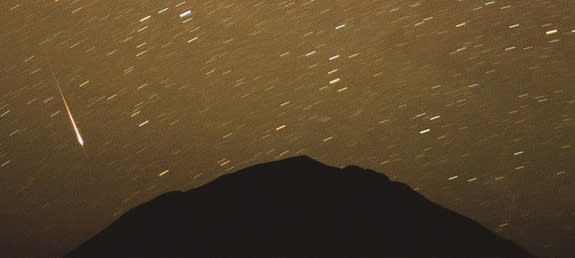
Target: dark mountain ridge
{"x": 295, "y": 207}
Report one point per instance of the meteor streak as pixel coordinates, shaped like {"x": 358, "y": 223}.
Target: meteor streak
{"x": 76, "y": 131}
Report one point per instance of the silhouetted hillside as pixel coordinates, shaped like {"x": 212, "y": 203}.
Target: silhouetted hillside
{"x": 296, "y": 206}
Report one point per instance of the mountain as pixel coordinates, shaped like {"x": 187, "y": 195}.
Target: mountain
{"x": 296, "y": 207}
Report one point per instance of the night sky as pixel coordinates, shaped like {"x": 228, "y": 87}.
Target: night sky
{"x": 471, "y": 103}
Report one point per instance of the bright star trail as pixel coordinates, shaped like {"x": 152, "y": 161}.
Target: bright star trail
{"x": 470, "y": 102}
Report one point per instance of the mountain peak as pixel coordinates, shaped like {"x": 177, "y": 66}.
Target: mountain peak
{"x": 297, "y": 206}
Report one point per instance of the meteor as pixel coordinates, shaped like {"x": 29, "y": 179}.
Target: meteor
{"x": 76, "y": 130}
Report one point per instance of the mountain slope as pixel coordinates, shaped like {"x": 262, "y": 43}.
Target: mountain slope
{"x": 296, "y": 206}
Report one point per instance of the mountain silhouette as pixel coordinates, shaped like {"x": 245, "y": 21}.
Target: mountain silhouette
{"x": 296, "y": 207}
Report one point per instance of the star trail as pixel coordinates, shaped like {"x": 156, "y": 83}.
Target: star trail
{"x": 471, "y": 103}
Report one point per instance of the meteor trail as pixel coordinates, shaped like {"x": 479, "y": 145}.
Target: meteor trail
{"x": 76, "y": 131}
